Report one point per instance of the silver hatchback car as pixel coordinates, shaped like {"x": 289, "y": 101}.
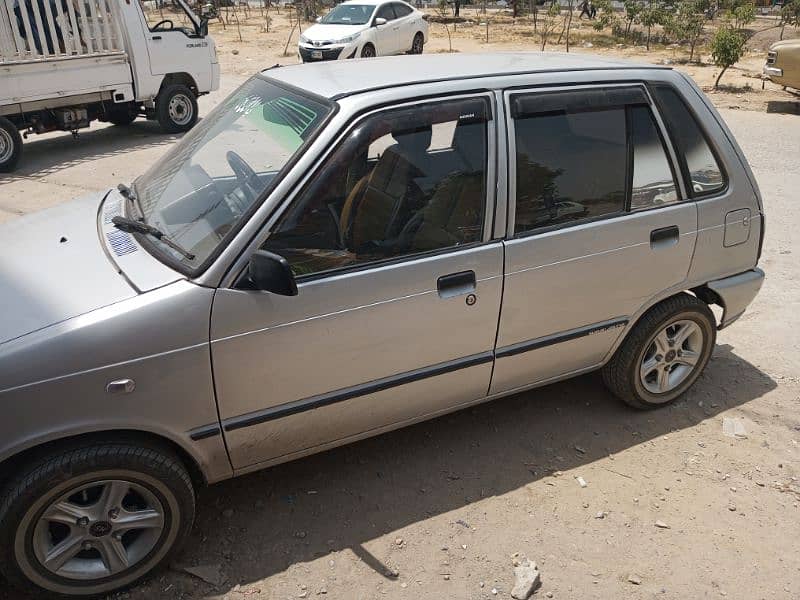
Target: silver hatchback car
{"x": 339, "y": 250}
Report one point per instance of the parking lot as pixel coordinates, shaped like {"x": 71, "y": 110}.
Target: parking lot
{"x": 439, "y": 510}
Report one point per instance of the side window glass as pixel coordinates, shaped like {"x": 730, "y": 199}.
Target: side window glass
{"x": 653, "y": 182}
{"x": 384, "y": 193}
{"x": 570, "y": 166}
{"x": 703, "y": 170}
{"x": 386, "y": 12}
{"x": 401, "y": 10}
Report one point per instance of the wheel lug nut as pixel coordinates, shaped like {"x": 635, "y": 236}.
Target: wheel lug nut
{"x": 113, "y": 513}
{"x": 659, "y": 358}
{"x": 86, "y": 545}
{"x": 83, "y": 522}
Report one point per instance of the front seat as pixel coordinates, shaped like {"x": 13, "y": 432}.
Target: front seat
{"x": 380, "y": 204}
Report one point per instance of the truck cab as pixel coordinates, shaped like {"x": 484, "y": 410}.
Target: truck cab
{"x": 66, "y": 63}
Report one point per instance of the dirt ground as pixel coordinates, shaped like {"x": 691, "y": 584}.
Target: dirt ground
{"x": 440, "y": 510}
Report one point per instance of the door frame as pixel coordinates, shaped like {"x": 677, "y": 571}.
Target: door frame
{"x": 493, "y": 196}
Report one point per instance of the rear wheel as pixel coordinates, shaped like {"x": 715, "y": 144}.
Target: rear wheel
{"x": 176, "y": 108}
{"x": 664, "y": 354}
{"x": 10, "y": 145}
{"x": 123, "y": 115}
{"x": 368, "y": 51}
{"x": 417, "y": 44}
{"x": 93, "y": 520}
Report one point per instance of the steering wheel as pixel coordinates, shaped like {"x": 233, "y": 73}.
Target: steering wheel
{"x": 157, "y": 26}
{"x": 245, "y": 176}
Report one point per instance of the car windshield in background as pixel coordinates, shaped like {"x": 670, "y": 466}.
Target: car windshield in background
{"x": 199, "y": 192}
{"x": 349, "y": 14}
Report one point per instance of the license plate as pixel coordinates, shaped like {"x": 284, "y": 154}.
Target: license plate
{"x": 316, "y": 54}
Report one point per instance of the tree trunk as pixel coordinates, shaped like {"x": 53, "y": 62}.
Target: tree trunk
{"x": 721, "y": 73}
{"x": 569, "y": 22}
{"x": 648, "y": 38}
{"x": 291, "y": 33}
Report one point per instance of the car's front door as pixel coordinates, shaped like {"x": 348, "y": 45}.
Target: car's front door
{"x": 386, "y": 35}
{"x": 399, "y": 289}
{"x": 598, "y": 227}
{"x": 404, "y": 26}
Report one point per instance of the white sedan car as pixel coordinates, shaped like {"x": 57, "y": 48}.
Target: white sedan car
{"x": 365, "y": 28}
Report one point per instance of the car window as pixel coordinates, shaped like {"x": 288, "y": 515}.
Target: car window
{"x": 653, "y": 181}
{"x": 384, "y": 194}
{"x": 570, "y": 166}
{"x": 386, "y": 12}
{"x": 349, "y": 14}
{"x": 402, "y": 10}
{"x": 701, "y": 167}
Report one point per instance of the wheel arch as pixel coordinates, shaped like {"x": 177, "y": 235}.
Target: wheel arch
{"x": 181, "y": 78}
{"x": 66, "y": 441}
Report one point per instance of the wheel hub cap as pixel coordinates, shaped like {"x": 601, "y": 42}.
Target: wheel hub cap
{"x": 6, "y": 146}
{"x": 671, "y": 356}
{"x": 100, "y": 529}
{"x": 180, "y": 109}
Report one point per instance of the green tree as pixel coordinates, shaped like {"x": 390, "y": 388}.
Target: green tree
{"x": 790, "y": 15}
{"x": 727, "y": 48}
{"x": 686, "y": 23}
{"x": 633, "y": 8}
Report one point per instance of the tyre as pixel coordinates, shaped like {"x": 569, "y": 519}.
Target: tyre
{"x": 123, "y": 115}
{"x": 10, "y": 146}
{"x": 93, "y": 519}
{"x": 664, "y": 354}
{"x": 368, "y": 51}
{"x": 417, "y": 44}
{"x": 176, "y": 108}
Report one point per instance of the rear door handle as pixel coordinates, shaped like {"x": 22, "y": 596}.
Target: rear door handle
{"x": 156, "y": 37}
{"x": 456, "y": 284}
{"x": 664, "y": 237}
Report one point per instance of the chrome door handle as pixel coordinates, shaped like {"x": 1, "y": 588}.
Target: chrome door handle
{"x": 664, "y": 237}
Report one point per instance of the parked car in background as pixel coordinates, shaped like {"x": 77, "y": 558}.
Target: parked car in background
{"x": 333, "y": 253}
{"x": 365, "y": 28}
{"x": 65, "y": 64}
{"x": 783, "y": 63}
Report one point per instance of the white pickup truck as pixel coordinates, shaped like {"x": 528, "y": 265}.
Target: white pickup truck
{"x": 65, "y": 63}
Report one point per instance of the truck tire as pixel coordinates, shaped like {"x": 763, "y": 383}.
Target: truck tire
{"x": 93, "y": 519}
{"x": 10, "y": 146}
{"x": 664, "y": 353}
{"x": 176, "y": 108}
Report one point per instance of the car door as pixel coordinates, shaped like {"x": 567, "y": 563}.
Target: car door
{"x": 399, "y": 289}
{"x": 168, "y": 48}
{"x": 386, "y": 35}
{"x": 598, "y": 226}
{"x": 404, "y": 26}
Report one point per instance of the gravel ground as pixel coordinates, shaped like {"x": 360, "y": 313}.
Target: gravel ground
{"x": 672, "y": 507}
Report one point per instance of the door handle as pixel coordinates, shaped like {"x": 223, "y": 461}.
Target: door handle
{"x": 664, "y": 237}
{"x": 155, "y": 37}
{"x": 456, "y": 284}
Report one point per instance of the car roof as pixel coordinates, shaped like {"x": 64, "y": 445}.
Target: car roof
{"x": 336, "y": 79}
{"x": 367, "y": 2}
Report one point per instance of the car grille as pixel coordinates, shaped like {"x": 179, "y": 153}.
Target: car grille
{"x": 771, "y": 56}
{"x": 329, "y": 54}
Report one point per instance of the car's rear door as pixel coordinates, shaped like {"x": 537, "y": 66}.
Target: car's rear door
{"x": 399, "y": 289}
{"x": 598, "y": 226}
{"x": 405, "y": 25}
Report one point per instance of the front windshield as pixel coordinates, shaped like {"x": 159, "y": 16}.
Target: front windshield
{"x": 199, "y": 192}
{"x": 349, "y": 14}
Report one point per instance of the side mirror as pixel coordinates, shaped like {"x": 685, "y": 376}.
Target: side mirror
{"x": 269, "y": 272}
{"x": 203, "y": 29}
{"x": 379, "y": 21}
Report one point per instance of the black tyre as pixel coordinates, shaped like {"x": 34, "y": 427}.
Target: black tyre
{"x": 664, "y": 354}
{"x": 123, "y": 115}
{"x": 176, "y": 108}
{"x": 10, "y": 146}
{"x": 91, "y": 520}
{"x": 417, "y": 44}
{"x": 368, "y": 51}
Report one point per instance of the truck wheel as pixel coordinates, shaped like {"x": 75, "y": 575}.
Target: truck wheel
{"x": 10, "y": 145}
{"x": 664, "y": 354}
{"x": 91, "y": 520}
{"x": 123, "y": 115}
{"x": 176, "y": 108}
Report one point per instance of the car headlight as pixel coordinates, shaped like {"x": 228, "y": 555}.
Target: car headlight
{"x": 303, "y": 39}
{"x": 350, "y": 38}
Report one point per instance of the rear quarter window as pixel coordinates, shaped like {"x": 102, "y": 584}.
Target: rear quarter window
{"x": 701, "y": 167}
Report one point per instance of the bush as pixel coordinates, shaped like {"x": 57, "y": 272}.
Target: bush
{"x": 727, "y": 48}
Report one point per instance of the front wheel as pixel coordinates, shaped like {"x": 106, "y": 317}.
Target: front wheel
{"x": 664, "y": 354}
{"x": 368, "y": 51}
{"x": 10, "y": 145}
{"x": 94, "y": 519}
{"x": 176, "y": 108}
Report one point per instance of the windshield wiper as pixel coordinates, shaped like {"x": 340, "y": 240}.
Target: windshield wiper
{"x": 131, "y": 226}
{"x": 128, "y": 194}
